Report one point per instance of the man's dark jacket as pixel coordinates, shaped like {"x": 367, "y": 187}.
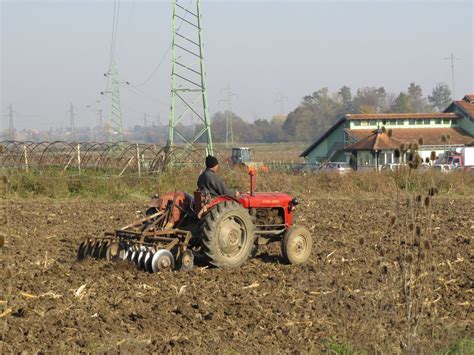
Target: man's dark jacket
{"x": 210, "y": 182}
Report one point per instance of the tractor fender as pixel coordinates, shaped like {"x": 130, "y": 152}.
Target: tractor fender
{"x": 214, "y": 202}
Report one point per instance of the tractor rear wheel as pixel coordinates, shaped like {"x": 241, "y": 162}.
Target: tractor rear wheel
{"x": 296, "y": 245}
{"x": 228, "y": 237}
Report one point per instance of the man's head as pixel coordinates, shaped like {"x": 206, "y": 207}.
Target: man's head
{"x": 211, "y": 162}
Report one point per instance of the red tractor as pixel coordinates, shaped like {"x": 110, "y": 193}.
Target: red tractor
{"x": 224, "y": 230}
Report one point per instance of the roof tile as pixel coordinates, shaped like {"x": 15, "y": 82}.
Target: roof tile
{"x": 387, "y": 116}
{"x": 376, "y": 141}
{"x": 430, "y": 136}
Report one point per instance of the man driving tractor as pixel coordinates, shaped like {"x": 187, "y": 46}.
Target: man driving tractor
{"x": 210, "y": 182}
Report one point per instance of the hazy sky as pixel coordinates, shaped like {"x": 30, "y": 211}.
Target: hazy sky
{"x": 55, "y": 52}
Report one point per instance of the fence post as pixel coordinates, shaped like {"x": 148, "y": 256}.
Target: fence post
{"x": 79, "y": 158}
{"x": 25, "y": 152}
{"x": 138, "y": 161}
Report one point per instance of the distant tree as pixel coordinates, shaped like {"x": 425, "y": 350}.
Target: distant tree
{"x": 346, "y": 99}
{"x": 440, "y": 97}
{"x": 415, "y": 92}
{"x": 278, "y": 120}
{"x": 313, "y": 116}
{"x": 389, "y": 102}
{"x": 415, "y": 95}
{"x": 368, "y": 109}
{"x": 402, "y": 104}
{"x": 370, "y": 100}
{"x": 219, "y": 126}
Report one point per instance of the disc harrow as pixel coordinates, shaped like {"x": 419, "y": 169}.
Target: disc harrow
{"x": 153, "y": 243}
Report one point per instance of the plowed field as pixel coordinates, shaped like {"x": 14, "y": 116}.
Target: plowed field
{"x": 349, "y": 292}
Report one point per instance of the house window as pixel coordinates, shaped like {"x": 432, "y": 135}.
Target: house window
{"x": 400, "y": 122}
{"x": 446, "y": 121}
{"x": 357, "y": 123}
{"x": 391, "y": 122}
{"x": 438, "y": 121}
{"x": 363, "y": 123}
{"x": 412, "y": 121}
{"x": 419, "y": 122}
{"x": 426, "y": 121}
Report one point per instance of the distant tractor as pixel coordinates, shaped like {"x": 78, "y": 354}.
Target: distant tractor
{"x": 242, "y": 157}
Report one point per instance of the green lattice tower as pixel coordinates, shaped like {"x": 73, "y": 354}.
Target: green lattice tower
{"x": 188, "y": 84}
{"x": 115, "y": 127}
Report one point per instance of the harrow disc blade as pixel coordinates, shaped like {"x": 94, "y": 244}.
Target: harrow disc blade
{"x": 96, "y": 250}
{"x": 89, "y": 248}
{"x": 123, "y": 251}
{"x": 148, "y": 259}
{"x": 81, "y": 251}
{"x": 163, "y": 260}
{"x": 134, "y": 256}
{"x": 129, "y": 253}
{"x": 103, "y": 249}
{"x": 141, "y": 259}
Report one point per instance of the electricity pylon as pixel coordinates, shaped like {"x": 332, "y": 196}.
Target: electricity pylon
{"x": 229, "y": 130}
{"x": 11, "y": 129}
{"x": 188, "y": 84}
{"x": 115, "y": 126}
{"x": 280, "y": 99}
{"x": 72, "y": 124}
{"x": 452, "y": 58}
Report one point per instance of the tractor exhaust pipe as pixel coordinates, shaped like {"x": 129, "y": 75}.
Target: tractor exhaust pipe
{"x": 252, "y": 181}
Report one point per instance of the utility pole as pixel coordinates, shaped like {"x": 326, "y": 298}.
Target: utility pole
{"x": 452, "y": 58}
{"x": 72, "y": 125}
{"x": 229, "y": 130}
{"x": 145, "y": 122}
{"x": 280, "y": 99}
{"x": 188, "y": 84}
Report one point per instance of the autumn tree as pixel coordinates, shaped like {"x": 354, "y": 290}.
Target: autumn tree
{"x": 369, "y": 100}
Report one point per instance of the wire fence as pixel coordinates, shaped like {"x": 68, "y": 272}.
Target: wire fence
{"x": 121, "y": 157}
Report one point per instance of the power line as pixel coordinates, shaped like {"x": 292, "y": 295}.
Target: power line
{"x": 167, "y": 50}
{"x": 113, "y": 39}
{"x": 136, "y": 91}
{"x": 154, "y": 70}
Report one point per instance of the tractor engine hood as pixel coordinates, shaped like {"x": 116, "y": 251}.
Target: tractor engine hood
{"x": 265, "y": 200}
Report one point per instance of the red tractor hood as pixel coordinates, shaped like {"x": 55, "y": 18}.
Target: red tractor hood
{"x": 265, "y": 199}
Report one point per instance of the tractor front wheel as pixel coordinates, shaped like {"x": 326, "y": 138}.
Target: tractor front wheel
{"x": 296, "y": 245}
{"x": 228, "y": 237}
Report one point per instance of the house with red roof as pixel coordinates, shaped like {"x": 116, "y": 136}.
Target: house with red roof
{"x": 370, "y": 140}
